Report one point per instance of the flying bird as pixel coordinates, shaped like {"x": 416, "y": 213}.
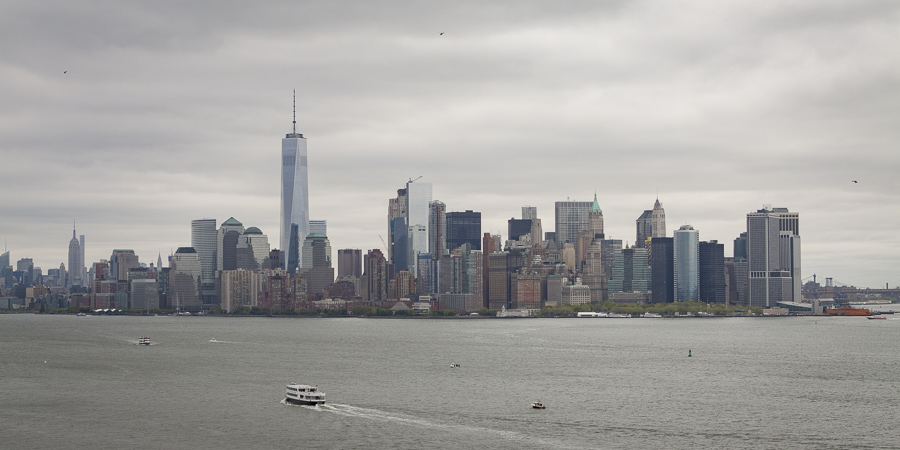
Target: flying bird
{"x": 64, "y": 71}
{"x": 442, "y": 34}
{"x": 855, "y": 181}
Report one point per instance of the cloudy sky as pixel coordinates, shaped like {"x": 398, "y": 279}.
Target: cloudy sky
{"x": 132, "y": 118}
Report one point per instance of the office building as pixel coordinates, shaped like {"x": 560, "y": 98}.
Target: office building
{"x": 437, "y": 228}
{"x": 294, "y": 195}
{"x": 773, "y": 257}
{"x": 651, "y": 224}
{"x": 687, "y": 272}
{"x": 662, "y": 270}
{"x": 712, "y": 272}
{"x": 185, "y": 271}
{"x": 349, "y": 262}
{"x": 203, "y": 240}
{"x": 464, "y": 228}
{"x": 571, "y": 217}
{"x": 226, "y": 244}
{"x": 318, "y": 226}
{"x": 76, "y": 267}
{"x": 529, "y": 212}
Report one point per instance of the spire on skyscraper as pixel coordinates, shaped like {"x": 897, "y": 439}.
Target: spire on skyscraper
{"x": 295, "y": 111}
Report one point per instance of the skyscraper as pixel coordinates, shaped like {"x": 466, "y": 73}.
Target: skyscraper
{"x": 687, "y": 269}
{"x": 203, "y": 240}
{"x": 773, "y": 256}
{"x": 529, "y": 212}
{"x": 712, "y": 272}
{"x": 318, "y": 226}
{"x": 464, "y": 228}
{"x": 349, "y": 262}
{"x": 226, "y": 244}
{"x": 571, "y": 217}
{"x": 437, "y": 228}
{"x": 651, "y": 224}
{"x": 76, "y": 269}
{"x": 662, "y": 270}
{"x": 294, "y": 192}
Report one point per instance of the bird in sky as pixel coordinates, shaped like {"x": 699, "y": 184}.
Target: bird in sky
{"x": 65, "y": 71}
{"x": 855, "y": 181}
{"x": 442, "y": 34}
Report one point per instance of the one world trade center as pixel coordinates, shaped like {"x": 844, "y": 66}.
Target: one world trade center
{"x": 294, "y": 197}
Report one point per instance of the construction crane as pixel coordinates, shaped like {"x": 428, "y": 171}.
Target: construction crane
{"x": 411, "y": 179}
{"x": 383, "y": 243}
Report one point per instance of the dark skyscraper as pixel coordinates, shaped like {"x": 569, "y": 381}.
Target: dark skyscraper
{"x": 462, "y": 228}
{"x": 662, "y": 266}
{"x": 712, "y": 272}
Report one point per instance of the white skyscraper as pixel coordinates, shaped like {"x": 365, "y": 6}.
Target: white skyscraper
{"x": 294, "y": 196}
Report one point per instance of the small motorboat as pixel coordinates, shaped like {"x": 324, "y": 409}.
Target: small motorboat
{"x": 144, "y": 340}
{"x": 877, "y": 318}
{"x": 538, "y": 405}
{"x": 454, "y": 365}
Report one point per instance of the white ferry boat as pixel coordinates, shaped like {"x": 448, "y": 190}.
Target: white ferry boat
{"x": 144, "y": 340}
{"x": 651, "y": 315}
{"x": 301, "y": 394}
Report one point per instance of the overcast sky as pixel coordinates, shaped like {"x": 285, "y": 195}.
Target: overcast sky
{"x": 132, "y": 118}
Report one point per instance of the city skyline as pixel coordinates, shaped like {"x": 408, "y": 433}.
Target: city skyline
{"x": 134, "y": 129}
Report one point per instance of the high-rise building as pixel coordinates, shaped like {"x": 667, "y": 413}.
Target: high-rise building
{"x": 252, "y": 249}
{"x": 349, "y": 262}
{"x": 294, "y": 193}
{"x": 318, "y": 226}
{"x": 516, "y": 228}
{"x": 76, "y": 268}
{"x": 631, "y": 270}
{"x": 571, "y": 217}
{"x": 687, "y": 270}
{"x": 529, "y": 212}
{"x": 712, "y": 272}
{"x": 184, "y": 278}
{"x": 317, "y": 269}
{"x": 464, "y": 228}
{"x": 662, "y": 270}
{"x": 490, "y": 243}
{"x": 226, "y": 244}
{"x": 418, "y": 196}
{"x": 651, "y": 224}
{"x": 437, "y": 228}
{"x": 203, "y": 240}
{"x": 773, "y": 257}
{"x": 376, "y": 277}
{"x": 120, "y": 262}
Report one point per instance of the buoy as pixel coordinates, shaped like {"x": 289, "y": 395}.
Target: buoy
{"x": 689, "y": 353}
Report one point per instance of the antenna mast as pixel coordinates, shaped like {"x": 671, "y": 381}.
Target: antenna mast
{"x": 295, "y": 111}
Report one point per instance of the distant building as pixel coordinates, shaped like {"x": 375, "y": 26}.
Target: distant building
{"x": 318, "y": 226}
{"x": 349, "y": 262}
{"x": 437, "y": 228}
{"x": 571, "y": 217}
{"x": 662, "y": 270}
{"x": 294, "y": 219}
{"x": 76, "y": 264}
{"x": 464, "y": 228}
{"x": 773, "y": 256}
{"x": 316, "y": 268}
{"x": 226, "y": 244}
{"x": 184, "y": 280}
{"x": 651, "y": 224}
{"x": 686, "y": 257}
{"x": 203, "y": 240}
{"x": 712, "y": 272}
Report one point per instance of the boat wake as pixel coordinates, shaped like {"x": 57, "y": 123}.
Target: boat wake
{"x": 405, "y": 419}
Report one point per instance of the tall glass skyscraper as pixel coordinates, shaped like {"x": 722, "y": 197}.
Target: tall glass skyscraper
{"x": 294, "y": 193}
{"x": 687, "y": 269}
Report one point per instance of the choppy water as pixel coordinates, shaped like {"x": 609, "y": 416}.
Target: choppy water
{"x": 806, "y": 382}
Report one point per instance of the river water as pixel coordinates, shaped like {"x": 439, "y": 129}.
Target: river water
{"x": 216, "y": 382}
